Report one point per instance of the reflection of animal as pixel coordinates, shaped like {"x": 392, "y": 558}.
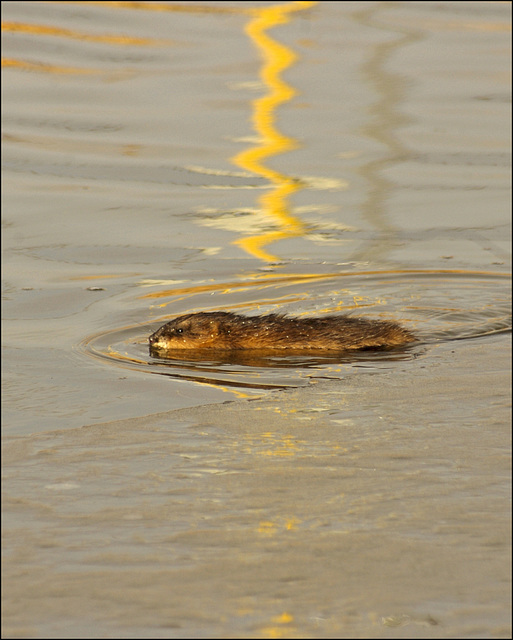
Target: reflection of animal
{"x": 229, "y": 331}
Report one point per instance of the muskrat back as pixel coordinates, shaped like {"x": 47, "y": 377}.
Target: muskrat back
{"x": 229, "y": 331}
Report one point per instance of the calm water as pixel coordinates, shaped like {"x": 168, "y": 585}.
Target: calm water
{"x": 163, "y": 158}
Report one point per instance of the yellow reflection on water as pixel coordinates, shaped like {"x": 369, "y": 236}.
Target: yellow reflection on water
{"x": 45, "y": 68}
{"x": 280, "y": 627}
{"x": 274, "y": 445}
{"x": 271, "y": 528}
{"x": 178, "y": 7}
{"x": 263, "y": 280}
{"x": 276, "y": 59}
{"x": 45, "y": 30}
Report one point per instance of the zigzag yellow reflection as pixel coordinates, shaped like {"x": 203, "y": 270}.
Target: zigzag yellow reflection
{"x": 277, "y": 57}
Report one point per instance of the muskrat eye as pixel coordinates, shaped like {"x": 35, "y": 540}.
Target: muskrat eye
{"x": 179, "y": 330}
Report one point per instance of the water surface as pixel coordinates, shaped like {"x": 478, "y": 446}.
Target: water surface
{"x": 164, "y": 158}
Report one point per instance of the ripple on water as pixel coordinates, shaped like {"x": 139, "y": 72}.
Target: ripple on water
{"x": 437, "y": 306}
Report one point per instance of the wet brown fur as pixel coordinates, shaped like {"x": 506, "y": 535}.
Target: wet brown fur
{"x": 229, "y": 331}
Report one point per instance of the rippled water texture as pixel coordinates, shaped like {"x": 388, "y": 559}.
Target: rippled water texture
{"x": 475, "y": 305}
{"x": 162, "y": 158}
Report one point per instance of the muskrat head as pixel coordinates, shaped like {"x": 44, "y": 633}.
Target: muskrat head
{"x": 192, "y": 331}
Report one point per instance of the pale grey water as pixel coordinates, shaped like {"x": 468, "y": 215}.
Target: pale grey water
{"x": 359, "y": 498}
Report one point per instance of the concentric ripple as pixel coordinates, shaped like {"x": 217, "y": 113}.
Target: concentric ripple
{"x": 437, "y": 306}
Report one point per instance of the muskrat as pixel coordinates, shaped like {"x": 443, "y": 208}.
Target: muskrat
{"x": 276, "y": 332}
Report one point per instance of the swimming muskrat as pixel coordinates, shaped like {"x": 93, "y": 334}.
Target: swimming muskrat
{"x": 275, "y": 332}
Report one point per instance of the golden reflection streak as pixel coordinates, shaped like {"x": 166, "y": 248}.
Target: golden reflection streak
{"x": 277, "y": 58}
{"x": 286, "y": 630}
{"x": 103, "y": 276}
{"x": 44, "y": 30}
{"x": 274, "y": 445}
{"x": 269, "y": 280}
{"x": 46, "y": 68}
{"x": 189, "y": 7}
{"x": 268, "y": 527}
